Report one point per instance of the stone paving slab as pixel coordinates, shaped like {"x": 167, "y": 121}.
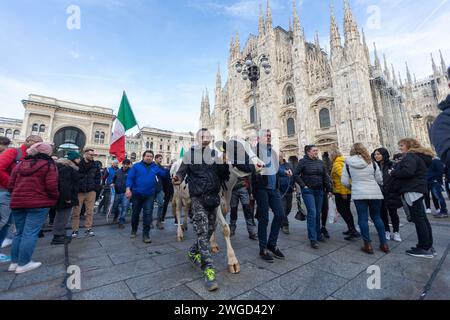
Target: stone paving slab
{"x": 117, "y": 267}
{"x": 115, "y": 291}
{"x": 304, "y": 283}
{"x": 178, "y": 293}
{"x": 156, "y": 282}
{"x": 233, "y": 285}
{"x": 393, "y": 287}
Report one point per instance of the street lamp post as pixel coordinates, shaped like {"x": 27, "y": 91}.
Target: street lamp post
{"x": 252, "y": 71}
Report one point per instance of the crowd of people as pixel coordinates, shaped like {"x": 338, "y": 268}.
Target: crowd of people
{"x": 34, "y": 183}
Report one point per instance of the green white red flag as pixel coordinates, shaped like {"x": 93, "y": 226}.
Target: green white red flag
{"x": 125, "y": 121}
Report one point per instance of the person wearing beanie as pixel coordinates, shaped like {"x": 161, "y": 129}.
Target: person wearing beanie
{"x": 4, "y": 144}
{"x": 69, "y": 184}
{"x": 8, "y": 161}
{"x": 34, "y": 190}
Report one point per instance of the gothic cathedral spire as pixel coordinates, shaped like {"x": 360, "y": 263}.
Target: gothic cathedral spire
{"x": 335, "y": 36}
{"x": 443, "y": 65}
{"x": 377, "y": 59}
{"x": 350, "y": 27}
{"x": 261, "y": 28}
{"x": 297, "y": 27}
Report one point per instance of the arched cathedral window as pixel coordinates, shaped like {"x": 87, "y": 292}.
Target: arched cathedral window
{"x": 253, "y": 115}
{"x": 289, "y": 96}
{"x": 227, "y": 119}
{"x": 324, "y": 118}
{"x": 35, "y": 129}
{"x": 290, "y": 127}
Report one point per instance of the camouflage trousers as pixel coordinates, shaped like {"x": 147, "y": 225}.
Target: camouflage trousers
{"x": 204, "y": 222}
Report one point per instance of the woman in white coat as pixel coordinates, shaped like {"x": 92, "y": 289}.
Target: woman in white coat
{"x": 364, "y": 177}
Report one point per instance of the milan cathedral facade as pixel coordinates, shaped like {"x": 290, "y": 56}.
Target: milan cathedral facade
{"x": 330, "y": 100}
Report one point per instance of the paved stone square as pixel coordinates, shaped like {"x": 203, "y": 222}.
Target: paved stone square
{"x": 115, "y": 267}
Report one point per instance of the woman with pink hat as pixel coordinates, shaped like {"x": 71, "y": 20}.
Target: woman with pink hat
{"x": 34, "y": 189}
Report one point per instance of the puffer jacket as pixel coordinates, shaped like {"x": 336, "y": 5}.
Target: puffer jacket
{"x": 410, "y": 174}
{"x": 90, "y": 178}
{"x": 365, "y": 179}
{"x": 69, "y": 184}
{"x": 34, "y": 183}
{"x": 336, "y": 174}
{"x": 313, "y": 174}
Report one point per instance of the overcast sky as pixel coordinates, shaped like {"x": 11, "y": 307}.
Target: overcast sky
{"x": 164, "y": 53}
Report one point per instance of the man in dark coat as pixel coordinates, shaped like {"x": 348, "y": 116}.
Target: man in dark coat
{"x": 68, "y": 184}
{"x": 440, "y": 132}
{"x": 89, "y": 174}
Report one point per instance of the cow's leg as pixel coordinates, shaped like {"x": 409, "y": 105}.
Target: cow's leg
{"x": 180, "y": 235}
{"x": 213, "y": 242}
{"x": 233, "y": 263}
{"x": 187, "y": 207}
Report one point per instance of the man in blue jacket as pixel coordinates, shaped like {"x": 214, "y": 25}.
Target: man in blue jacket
{"x": 141, "y": 189}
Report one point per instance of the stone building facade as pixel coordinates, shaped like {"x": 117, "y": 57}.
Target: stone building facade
{"x": 330, "y": 99}
{"x": 73, "y": 126}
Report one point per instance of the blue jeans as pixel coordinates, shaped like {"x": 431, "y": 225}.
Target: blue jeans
{"x": 160, "y": 201}
{"x": 363, "y": 207}
{"x": 121, "y": 207}
{"x": 145, "y": 204}
{"x": 5, "y": 214}
{"x": 436, "y": 190}
{"x": 28, "y": 224}
{"x": 313, "y": 201}
{"x": 266, "y": 198}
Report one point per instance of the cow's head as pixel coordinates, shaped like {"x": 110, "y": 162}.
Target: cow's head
{"x": 239, "y": 151}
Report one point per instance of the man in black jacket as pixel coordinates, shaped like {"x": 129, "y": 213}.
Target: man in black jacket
{"x": 440, "y": 132}
{"x": 121, "y": 202}
{"x": 89, "y": 174}
{"x": 205, "y": 174}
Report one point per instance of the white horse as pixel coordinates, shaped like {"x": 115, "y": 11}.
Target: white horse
{"x": 181, "y": 199}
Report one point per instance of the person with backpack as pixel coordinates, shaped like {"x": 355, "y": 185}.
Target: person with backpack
{"x": 8, "y": 161}
{"x": 121, "y": 202}
{"x": 364, "y": 176}
{"x": 392, "y": 201}
{"x": 68, "y": 186}
{"x": 343, "y": 195}
{"x": 34, "y": 190}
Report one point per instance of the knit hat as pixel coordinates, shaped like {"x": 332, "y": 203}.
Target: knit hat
{"x": 40, "y": 147}
{"x": 72, "y": 155}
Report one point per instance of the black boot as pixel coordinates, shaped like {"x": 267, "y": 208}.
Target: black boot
{"x": 41, "y": 234}
{"x": 325, "y": 233}
{"x": 232, "y": 228}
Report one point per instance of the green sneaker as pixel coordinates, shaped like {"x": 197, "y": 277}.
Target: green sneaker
{"x": 195, "y": 259}
{"x": 210, "y": 279}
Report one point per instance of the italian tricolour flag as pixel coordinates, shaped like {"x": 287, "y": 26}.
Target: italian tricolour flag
{"x": 125, "y": 121}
